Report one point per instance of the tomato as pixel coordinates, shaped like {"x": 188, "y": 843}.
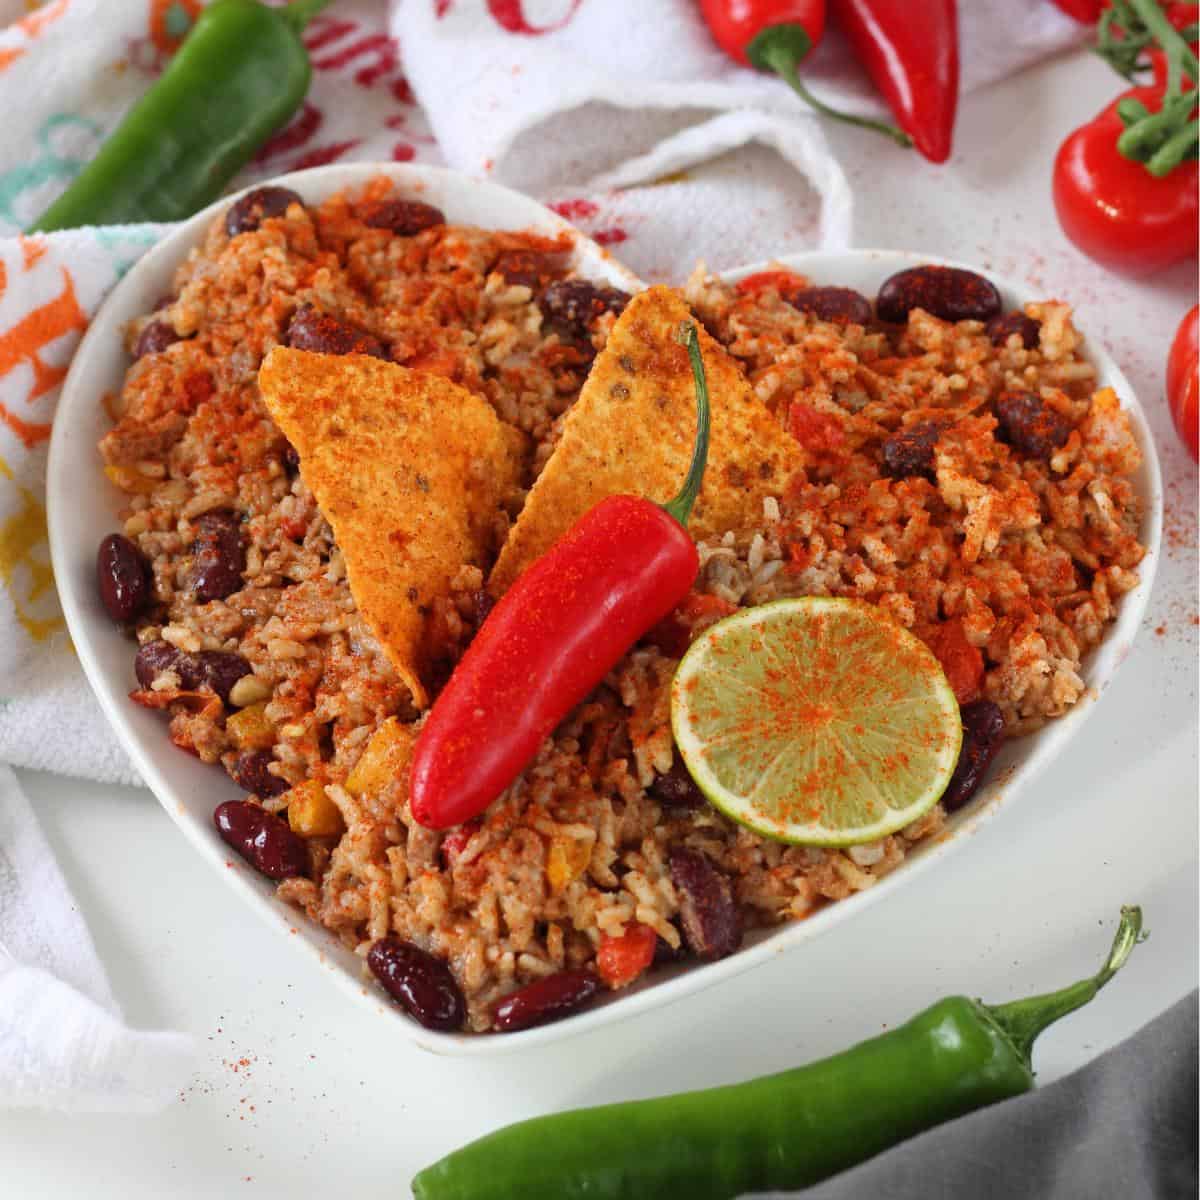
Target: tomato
{"x": 620, "y": 960}
{"x": 1183, "y": 380}
{"x": 734, "y": 24}
{"x": 962, "y": 662}
{"x": 1113, "y": 209}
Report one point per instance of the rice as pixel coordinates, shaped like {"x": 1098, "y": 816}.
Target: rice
{"x": 1031, "y": 556}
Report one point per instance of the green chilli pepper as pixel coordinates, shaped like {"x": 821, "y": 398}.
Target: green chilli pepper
{"x": 240, "y": 74}
{"x": 782, "y": 1131}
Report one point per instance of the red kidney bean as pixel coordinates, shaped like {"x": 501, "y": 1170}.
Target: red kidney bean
{"x": 983, "y": 735}
{"x": 712, "y": 924}
{"x": 838, "y": 304}
{"x": 571, "y": 305}
{"x": 249, "y": 772}
{"x": 404, "y": 217}
{"x": 248, "y": 213}
{"x": 947, "y": 292}
{"x": 311, "y": 329}
{"x": 548, "y": 999}
{"x": 1031, "y": 427}
{"x": 676, "y": 788}
{"x": 152, "y": 659}
{"x": 529, "y": 268}
{"x": 420, "y": 983}
{"x": 264, "y": 840}
{"x": 291, "y": 457}
{"x": 155, "y": 337}
{"x": 910, "y": 451}
{"x": 217, "y": 669}
{"x": 1001, "y": 328}
{"x": 219, "y": 556}
{"x": 123, "y": 577}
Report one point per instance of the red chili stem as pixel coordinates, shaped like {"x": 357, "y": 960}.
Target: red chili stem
{"x": 781, "y": 49}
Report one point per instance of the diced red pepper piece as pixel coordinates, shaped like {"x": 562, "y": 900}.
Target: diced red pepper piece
{"x": 675, "y": 633}
{"x": 455, "y": 842}
{"x": 783, "y": 282}
{"x": 962, "y": 662}
{"x": 817, "y": 431}
{"x": 620, "y": 960}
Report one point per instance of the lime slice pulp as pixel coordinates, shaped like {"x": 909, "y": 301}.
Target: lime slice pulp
{"x": 817, "y": 721}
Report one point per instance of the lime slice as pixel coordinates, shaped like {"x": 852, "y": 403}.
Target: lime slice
{"x": 816, "y": 721}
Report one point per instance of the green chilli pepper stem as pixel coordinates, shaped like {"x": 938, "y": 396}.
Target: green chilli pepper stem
{"x": 781, "y": 49}
{"x": 781, "y": 1131}
{"x": 240, "y": 74}
{"x": 1023, "y": 1020}
{"x": 681, "y": 507}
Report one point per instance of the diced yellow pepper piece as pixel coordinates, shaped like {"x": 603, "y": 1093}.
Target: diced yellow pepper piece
{"x": 130, "y": 479}
{"x": 311, "y": 813}
{"x": 384, "y": 758}
{"x": 250, "y": 729}
{"x": 566, "y": 860}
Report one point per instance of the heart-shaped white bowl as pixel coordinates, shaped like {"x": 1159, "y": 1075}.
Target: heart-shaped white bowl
{"x": 82, "y": 507}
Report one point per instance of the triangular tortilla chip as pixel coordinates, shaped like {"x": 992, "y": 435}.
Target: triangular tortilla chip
{"x": 631, "y": 432}
{"x": 409, "y": 469}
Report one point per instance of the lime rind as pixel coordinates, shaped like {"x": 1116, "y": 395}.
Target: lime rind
{"x": 876, "y": 750}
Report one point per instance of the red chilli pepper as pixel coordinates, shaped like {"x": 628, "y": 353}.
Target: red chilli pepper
{"x": 911, "y": 53}
{"x": 776, "y": 36}
{"x": 554, "y": 635}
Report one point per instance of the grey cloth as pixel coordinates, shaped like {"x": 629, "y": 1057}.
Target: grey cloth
{"x": 1121, "y": 1128}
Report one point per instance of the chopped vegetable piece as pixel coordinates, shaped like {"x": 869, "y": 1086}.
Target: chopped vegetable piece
{"x": 250, "y": 729}
{"x": 386, "y": 755}
{"x": 311, "y": 813}
{"x": 566, "y": 859}
{"x": 962, "y": 662}
{"x": 620, "y": 960}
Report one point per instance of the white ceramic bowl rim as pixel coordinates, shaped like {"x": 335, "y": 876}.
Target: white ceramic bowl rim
{"x": 188, "y": 791}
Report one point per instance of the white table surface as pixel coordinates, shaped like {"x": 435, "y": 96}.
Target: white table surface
{"x": 302, "y": 1095}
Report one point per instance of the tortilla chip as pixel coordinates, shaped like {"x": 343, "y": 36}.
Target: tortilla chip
{"x": 631, "y": 432}
{"x": 409, "y": 469}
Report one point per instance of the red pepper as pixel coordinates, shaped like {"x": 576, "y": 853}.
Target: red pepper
{"x": 1113, "y": 208}
{"x": 1183, "y": 381}
{"x": 554, "y": 636}
{"x": 783, "y": 282}
{"x": 777, "y": 35}
{"x": 620, "y": 960}
{"x": 910, "y": 50}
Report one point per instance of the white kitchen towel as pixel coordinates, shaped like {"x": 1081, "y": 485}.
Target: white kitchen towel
{"x": 63, "y": 1043}
{"x": 569, "y": 97}
{"x": 621, "y": 112}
